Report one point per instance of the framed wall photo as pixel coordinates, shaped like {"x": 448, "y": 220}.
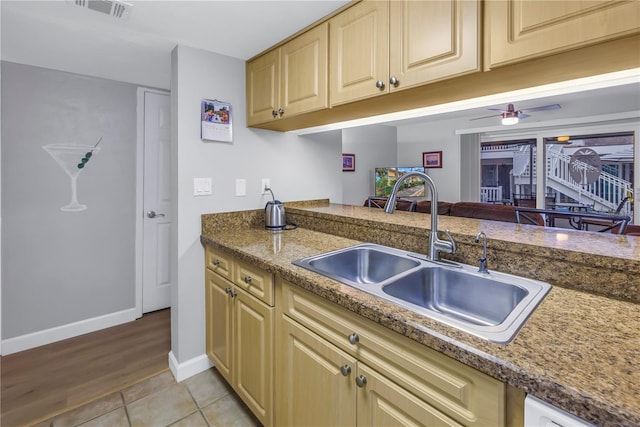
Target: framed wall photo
{"x": 348, "y": 162}
{"x": 215, "y": 121}
{"x": 432, "y": 159}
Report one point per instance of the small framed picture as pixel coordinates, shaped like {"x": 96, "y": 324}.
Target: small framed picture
{"x": 348, "y": 162}
{"x": 432, "y": 159}
{"x": 215, "y": 121}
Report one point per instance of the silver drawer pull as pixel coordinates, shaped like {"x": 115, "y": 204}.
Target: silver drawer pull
{"x": 216, "y": 262}
{"x": 354, "y": 338}
{"x": 346, "y": 370}
{"x": 361, "y": 381}
{"x": 247, "y": 280}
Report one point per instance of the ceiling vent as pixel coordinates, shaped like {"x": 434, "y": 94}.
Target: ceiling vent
{"x": 117, "y": 9}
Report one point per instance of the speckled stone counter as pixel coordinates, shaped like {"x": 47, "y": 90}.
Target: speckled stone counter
{"x": 578, "y": 351}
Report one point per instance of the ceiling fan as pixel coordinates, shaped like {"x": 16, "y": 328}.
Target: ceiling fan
{"x": 510, "y": 116}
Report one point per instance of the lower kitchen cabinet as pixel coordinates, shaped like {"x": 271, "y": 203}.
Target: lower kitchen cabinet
{"x": 336, "y": 368}
{"x": 239, "y": 341}
{"x": 322, "y": 385}
{"x": 316, "y": 380}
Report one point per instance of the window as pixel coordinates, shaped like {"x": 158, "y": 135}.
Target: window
{"x": 588, "y": 173}
{"x": 506, "y": 171}
{"x": 595, "y": 171}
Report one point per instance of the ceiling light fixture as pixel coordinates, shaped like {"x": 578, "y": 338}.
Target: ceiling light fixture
{"x": 509, "y": 118}
{"x": 563, "y": 138}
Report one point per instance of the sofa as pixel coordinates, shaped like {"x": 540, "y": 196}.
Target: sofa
{"x": 490, "y": 211}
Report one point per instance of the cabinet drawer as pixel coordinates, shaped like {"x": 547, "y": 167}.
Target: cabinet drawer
{"x": 462, "y": 393}
{"x": 255, "y": 281}
{"x": 219, "y": 262}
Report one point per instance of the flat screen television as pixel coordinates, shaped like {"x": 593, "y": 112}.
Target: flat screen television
{"x": 386, "y": 177}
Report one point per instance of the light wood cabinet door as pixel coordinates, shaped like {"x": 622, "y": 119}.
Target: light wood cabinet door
{"x": 219, "y": 319}
{"x": 464, "y": 394}
{"x": 432, "y": 40}
{"x": 253, "y": 361}
{"x": 381, "y": 402}
{"x": 254, "y": 280}
{"x": 316, "y": 385}
{"x": 263, "y": 87}
{"x": 219, "y": 262}
{"x": 359, "y": 52}
{"x": 518, "y": 30}
{"x": 304, "y": 70}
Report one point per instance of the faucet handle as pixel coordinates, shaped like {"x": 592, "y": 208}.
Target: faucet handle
{"x": 453, "y": 244}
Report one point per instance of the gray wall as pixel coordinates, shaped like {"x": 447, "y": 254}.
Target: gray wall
{"x": 374, "y": 146}
{"x": 413, "y": 140}
{"x": 299, "y": 168}
{"x": 63, "y": 267}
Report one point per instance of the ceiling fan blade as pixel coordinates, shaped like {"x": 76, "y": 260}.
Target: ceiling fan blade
{"x": 486, "y": 117}
{"x": 543, "y": 108}
{"x": 495, "y": 109}
{"x": 522, "y": 115}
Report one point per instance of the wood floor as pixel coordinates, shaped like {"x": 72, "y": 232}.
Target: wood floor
{"x": 51, "y": 379}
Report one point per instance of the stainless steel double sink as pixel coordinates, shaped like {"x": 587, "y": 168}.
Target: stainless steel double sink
{"x": 492, "y": 306}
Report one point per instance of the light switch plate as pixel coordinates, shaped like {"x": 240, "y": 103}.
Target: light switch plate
{"x": 241, "y": 187}
{"x": 202, "y": 186}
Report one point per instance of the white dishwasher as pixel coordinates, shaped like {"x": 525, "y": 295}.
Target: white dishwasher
{"x": 541, "y": 414}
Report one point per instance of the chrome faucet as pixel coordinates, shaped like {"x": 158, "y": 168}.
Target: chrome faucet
{"x": 435, "y": 244}
{"x": 482, "y": 260}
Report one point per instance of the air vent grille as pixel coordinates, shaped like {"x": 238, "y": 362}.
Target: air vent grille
{"x": 116, "y": 8}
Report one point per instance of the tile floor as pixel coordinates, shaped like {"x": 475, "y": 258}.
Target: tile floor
{"x": 202, "y": 400}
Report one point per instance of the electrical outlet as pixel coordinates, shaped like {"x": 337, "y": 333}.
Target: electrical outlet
{"x": 265, "y": 184}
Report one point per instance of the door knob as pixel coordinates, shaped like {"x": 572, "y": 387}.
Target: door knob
{"x": 152, "y": 214}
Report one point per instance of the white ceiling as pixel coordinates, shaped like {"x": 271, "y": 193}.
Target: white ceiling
{"x": 237, "y": 28}
{"x": 59, "y": 35}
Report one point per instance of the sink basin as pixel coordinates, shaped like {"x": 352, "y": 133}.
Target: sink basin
{"x": 460, "y": 295}
{"x": 362, "y": 264}
{"x": 492, "y": 306}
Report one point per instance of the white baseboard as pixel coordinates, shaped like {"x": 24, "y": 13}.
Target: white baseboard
{"x": 48, "y": 336}
{"x": 182, "y": 371}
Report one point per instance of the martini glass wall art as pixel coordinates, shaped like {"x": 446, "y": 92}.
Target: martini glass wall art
{"x": 72, "y": 159}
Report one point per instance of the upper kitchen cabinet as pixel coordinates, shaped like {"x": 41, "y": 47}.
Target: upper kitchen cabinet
{"x": 359, "y": 52}
{"x": 380, "y": 46}
{"x": 519, "y": 30}
{"x": 289, "y": 80}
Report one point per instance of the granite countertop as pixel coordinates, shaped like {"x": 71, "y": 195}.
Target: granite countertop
{"x": 578, "y": 350}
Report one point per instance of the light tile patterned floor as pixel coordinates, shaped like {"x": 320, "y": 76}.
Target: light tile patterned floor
{"x": 202, "y": 400}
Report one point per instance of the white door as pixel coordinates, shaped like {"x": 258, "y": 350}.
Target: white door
{"x": 156, "y": 273}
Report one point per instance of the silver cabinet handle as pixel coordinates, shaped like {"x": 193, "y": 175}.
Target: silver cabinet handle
{"x": 280, "y": 112}
{"x": 274, "y": 113}
{"x": 354, "y": 338}
{"x": 345, "y": 370}
{"x": 227, "y": 291}
{"x": 216, "y": 262}
{"x": 152, "y": 214}
{"x": 247, "y": 280}
{"x": 361, "y": 381}
{"x": 394, "y": 81}
{"x": 380, "y": 84}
